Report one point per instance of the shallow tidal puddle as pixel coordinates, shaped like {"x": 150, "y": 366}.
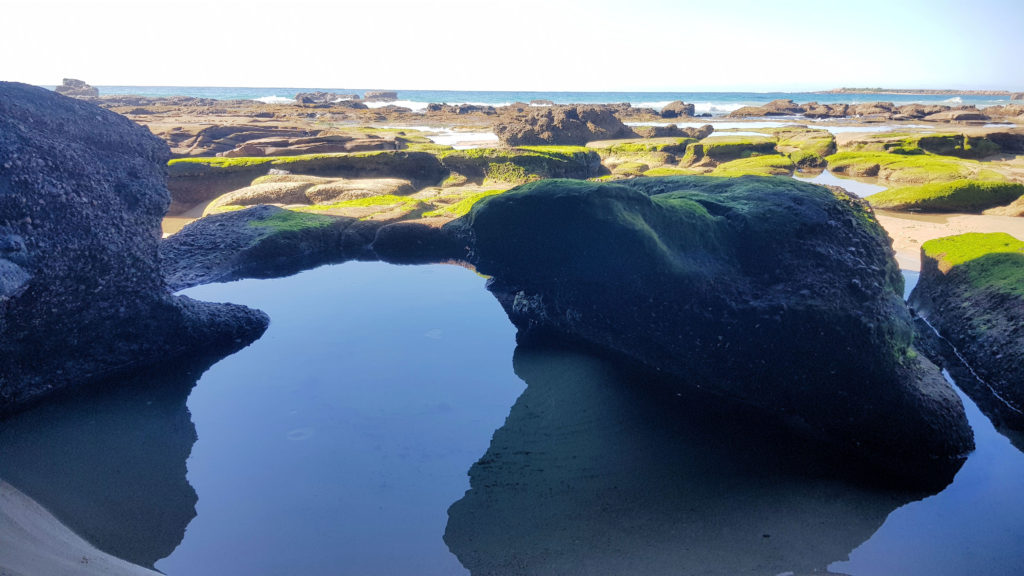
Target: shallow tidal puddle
{"x": 339, "y": 443}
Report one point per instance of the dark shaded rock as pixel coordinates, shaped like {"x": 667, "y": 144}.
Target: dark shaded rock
{"x": 1017, "y": 96}
{"x": 380, "y": 96}
{"x": 972, "y": 291}
{"x": 780, "y": 294}
{"x": 699, "y": 133}
{"x": 562, "y": 125}
{"x": 677, "y": 109}
{"x": 663, "y": 131}
{"x": 77, "y": 89}
{"x": 82, "y": 194}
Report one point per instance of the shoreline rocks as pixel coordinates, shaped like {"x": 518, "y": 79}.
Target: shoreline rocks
{"x": 83, "y": 296}
{"x": 562, "y": 125}
{"x": 972, "y": 291}
{"x": 732, "y": 285}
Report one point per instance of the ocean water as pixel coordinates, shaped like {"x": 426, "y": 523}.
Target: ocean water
{"x": 388, "y": 424}
{"x": 714, "y": 103}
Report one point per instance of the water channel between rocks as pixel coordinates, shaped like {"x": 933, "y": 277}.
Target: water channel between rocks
{"x": 339, "y": 443}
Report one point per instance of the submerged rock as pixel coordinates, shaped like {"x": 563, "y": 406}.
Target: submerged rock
{"x": 780, "y": 294}
{"x": 82, "y": 194}
{"x": 972, "y": 291}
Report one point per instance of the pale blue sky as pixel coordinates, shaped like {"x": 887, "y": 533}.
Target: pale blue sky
{"x": 522, "y": 45}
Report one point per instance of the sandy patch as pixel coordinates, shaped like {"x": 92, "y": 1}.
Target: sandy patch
{"x": 33, "y": 542}
{"x": 909, "y": 231}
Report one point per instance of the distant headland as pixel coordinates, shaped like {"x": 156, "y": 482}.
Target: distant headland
{"x": 922, "y": 91}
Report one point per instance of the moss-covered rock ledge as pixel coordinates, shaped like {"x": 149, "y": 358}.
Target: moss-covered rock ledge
{"x": 972, "y": 291}
{"x": 780, "y": 294}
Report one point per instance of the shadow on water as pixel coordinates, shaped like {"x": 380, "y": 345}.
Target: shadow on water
{"x": 109, "y": 462}
{"x": 593, "y": 474}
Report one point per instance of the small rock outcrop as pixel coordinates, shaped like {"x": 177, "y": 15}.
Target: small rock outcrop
{"x": 323, "y": 97}
{"x": 1017, "y": 96}
{"x": 972, "y": 291}
{"x": 77, "y": 89}
{"x": 777, "y": 293}
{"x": 82, "y": 193}
{"x": 677, "y": 109}
{"x": 380, "y": 96}
{"x": 566, "y": 125}
{"x": 773, "y": 108}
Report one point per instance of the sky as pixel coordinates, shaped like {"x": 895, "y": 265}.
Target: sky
{"x": 544, "y": 45}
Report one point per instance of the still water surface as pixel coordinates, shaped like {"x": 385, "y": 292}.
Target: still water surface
{"x": 339, "y": 443}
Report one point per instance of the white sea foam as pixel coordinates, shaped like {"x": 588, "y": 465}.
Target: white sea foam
{"x": 275, "y": 100}
{"x": 954, "y": 100}
{"x": 410, "y": 104}
{"x": 716, "y": 108}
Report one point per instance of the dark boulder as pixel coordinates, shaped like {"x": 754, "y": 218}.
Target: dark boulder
{"x": 780, "y": 294}
{"x": 972, "y": 291}
{"x": 574, "y": 125}
{"x": 77, "y": 89}
{"x": 323, "y": 97}
{"x": 677, "y": 109}
{"x": 82, "y": 194}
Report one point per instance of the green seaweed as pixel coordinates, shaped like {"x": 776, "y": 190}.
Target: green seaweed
{"x": 990, "y": 261}
{"x": 463, "y": 206}
{"x": 773, "y": 165}
{"x": 290, "y": 221}
{"x": 956, "y": 196}
{"x": 908, "y": 168}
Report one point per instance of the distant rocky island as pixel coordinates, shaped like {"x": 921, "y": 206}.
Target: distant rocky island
{"x": 925, "y": 92}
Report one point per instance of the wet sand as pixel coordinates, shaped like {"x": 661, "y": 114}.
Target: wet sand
{"x": 909, "y": 230}
{"x": 33, "y": 542}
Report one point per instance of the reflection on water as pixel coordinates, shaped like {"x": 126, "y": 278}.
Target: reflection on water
{"x": 594, "y": 474}
{"x": 110, "y": 463}
{"x": 338, "y": 441}
{"x": 856, "y": 187}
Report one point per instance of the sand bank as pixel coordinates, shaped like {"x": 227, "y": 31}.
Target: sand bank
{"x": 910, "y": 230}
{"x": 33, "y": 542}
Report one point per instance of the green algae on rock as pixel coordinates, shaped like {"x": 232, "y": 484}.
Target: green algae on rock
{"x": 732, "y": 285}
{"x": 971, "y": 196}
{"x": 972, "y": 291}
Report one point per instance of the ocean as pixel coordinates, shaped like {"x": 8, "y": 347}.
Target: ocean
{"x": 714, "y": 103}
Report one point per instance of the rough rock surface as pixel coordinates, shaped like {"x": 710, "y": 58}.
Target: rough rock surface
{"x": 778, "y": 293}
{"x": 773, "y": 108}
{"x": 82, "y": 194}
{"x": 77, "y": 89}
{"x": 972, "y": 291}
{"x": 677, "y": 109}
{"x": 575, "y": 125}
{"x": 380, "y": 96}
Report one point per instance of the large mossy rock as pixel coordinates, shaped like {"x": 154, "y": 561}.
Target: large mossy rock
{"x": 972, "y": 291}
{"x": 781, "y": 294}
{"x": 82, "y": 193}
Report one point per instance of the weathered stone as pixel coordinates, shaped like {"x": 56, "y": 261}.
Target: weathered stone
{"x": 562, "y": 125}
{"x": 677, "y": 109}
{"x": 778, "y": 293}
{"x": 82, "y": 194}
{"x": 77, "y": 89}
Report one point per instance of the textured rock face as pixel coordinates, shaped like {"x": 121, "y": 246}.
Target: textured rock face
{"x": 677, "y": 109}
{"x": 82, "y": 193}
{"x": 780, "y": 294}
{"x": 380, "y": 96}
{"x": 572, "y": 125}
{"x": 77, "y": 89}
{"x": 972, "y": 291}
